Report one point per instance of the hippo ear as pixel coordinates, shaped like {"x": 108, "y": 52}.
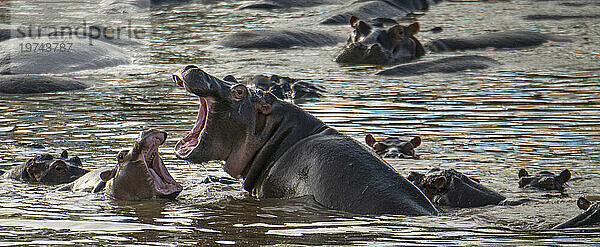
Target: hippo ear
{"x": 413, "y": 29}
{"x": 370, "y": 140}
{"x": 64, "y": 154}
{"x": 523, "y": 173}
{"x": 416, "y": 141}
{"x": 108, "y": 175}
{"x": 415, "y": 177}
{"x": 354, "y": 21}
{"x": 238, "y": 92}
{"x": 583, "y": 203}
{"x": 564, "y": 176}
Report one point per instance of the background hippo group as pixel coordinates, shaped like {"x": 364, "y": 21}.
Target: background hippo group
{"x": 535, "y": 109}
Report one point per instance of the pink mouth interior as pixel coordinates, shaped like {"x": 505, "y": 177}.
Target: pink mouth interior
{"x": 163, "y": 181}
{"x": 186, "y": 145}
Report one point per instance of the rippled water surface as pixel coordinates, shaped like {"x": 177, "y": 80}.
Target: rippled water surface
{"x": 539, "y": 110}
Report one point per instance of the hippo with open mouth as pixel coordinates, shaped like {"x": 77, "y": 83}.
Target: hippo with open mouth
{"x": 140, "y": 173}
{"x": 281, "y": 151}
{"x": 47, "y": 169}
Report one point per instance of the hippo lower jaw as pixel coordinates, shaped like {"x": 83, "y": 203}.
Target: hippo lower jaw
{"x": 159, "y": 176}
{"x": 185, "y": 146}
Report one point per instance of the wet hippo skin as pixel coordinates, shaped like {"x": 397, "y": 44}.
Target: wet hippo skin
{"x": 140, "y": 173}
{"x": 47, "y": 169}
{"x": 279, "y": 39}
{"x": 281, "y": 151}
{"x": 444, "y": 65}
{"x": 31, "y": 84}
{"x": 590, "y": 216}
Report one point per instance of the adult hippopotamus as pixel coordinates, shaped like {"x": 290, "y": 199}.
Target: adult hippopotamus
{"x": 31, "y": 84}
{"x": 43, "y": 55}
{"x": 279, "y": 39}
{"x": 590, "y": 216}
{"x": 140, "y": 173}
{"x": 393, "y": 147}
{"x": 132, "y": 6}
{"x": 47, "y": 169}
{"x": 372, "y": 9}
{"x": 279, "y": 4}
{"x": 284, "y": 87}
{"x": 544, "y": 180}
{"x": 443, "y": 65}
{"x": 500, "y": 40}
{"x": 380, "y": 44}
{"x": 281, "y": 151}
{"x": 452, "y": 188}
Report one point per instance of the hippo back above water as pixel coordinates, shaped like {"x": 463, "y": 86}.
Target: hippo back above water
{"x": 282, "y": 151}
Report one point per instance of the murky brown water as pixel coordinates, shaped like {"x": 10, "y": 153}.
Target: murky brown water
{"x": 539, "y": 110}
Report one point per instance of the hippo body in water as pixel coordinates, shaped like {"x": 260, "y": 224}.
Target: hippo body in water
{"x": 544, "y": 180}
{"x": 76, "y": 54}
{"x": 590, "y": 216}
{"x": 378, "y": 43}
{"x": 499, "y": 40}
{"x": 139, "y": 175}
{"x": 47, "y": 169}
{"x": 282, "y": 151}
{"x": 444, "y": 65}
{"x": 393, "y": 147}
{"x": 31, "y": 84}
{"x": 452, "y": 188}
{"x": 132, "y": 6}
{"x": 372, "y": 9}
{"x": 279, "y": 39}
{"x": 280, "y": 4}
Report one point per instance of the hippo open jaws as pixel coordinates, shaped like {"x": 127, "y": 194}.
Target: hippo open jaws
{"x": 281, "y": 151}
{"x": 46, "y": 169}
{"x": 140, "y": 173}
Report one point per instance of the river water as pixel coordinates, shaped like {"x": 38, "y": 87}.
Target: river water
{"x": 539, "y": 110}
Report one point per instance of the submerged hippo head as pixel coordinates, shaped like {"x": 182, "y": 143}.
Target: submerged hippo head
{"x": 544, "y": 180}
{"x": 393, "y": 147}
{"x": 377, "y": 44}
{"x": 590, "y": 216}
{"x": 50, "y": 170}
{"x": 452, "y": 188}
{"x": 140, "y": 172}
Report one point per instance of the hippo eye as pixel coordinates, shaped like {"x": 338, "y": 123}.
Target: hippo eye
{"x": 59, "y": 168}
{"x": 239, "y": 92}
{"x": 121, "y": 155}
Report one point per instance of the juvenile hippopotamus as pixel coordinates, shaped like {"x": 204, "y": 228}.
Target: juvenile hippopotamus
{"x": 506, "y": 39}
{"x": 140, "y": 173}
{"x": 393, "y": 147}
{"x": 281, "y": 151}
{"x": 279, "y": 39}
{"x": 31, "y": 84}
{"x": 380, "y": 44}
{"x": 590, "y": 216}
{"x": 443, "y": 65}
{"x": 544, "y": 180}
{"x": 47, "y": 169}
{"x": 452, "y": 188}
{"x": 372, "y": 9}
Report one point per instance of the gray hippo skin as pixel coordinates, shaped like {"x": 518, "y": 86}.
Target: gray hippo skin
{"x": 46, "y": 169}
{"x": 79, "y": 56}
{"x": 283, "y": 87}
{"x": 544, "y": 180}
{"x": 452, "y": 188}
{"x": 282, "y": 151}
{"x": 444, "y": 65}
{"x": 380, "y": 44}
{"x": 32, "y": 84}
{"x": 279, "y": 39}
{"x": 372, "y": 9}
{"x": 140, "y": 173}
{"x": 590, "y": 216}
{"x": 393, "y": 147}
{"x": 132, "y": 6}
{"x": 507, "y": 39}
{"x": 280, "y": 4}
